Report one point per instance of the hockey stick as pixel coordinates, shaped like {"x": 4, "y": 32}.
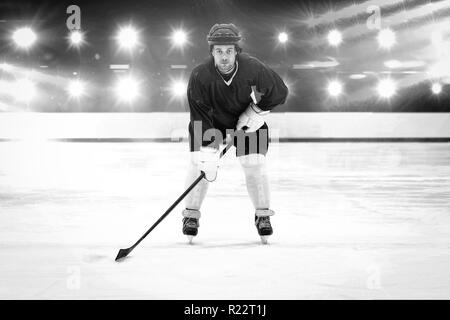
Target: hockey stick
{"x": 125, "y": 252}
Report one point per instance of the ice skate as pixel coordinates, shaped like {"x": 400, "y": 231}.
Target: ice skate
{"x": 191, "y": 223}
{"x": 264, "y": 228}
{"x": 190, "y": 227}
{"x": 262, "y": 223}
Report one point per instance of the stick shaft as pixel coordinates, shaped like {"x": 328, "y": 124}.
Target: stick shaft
{"x": 192, "y": 186}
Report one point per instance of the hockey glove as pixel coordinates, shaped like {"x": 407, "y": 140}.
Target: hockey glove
{"x": 209, "y": 162}
{"x": 251, "y": 119}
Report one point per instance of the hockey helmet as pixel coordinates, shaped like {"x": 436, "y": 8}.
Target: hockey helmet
{"x": 223, "y": 33}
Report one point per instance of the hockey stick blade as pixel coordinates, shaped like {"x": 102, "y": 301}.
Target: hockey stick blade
{"x": 123, "y": 253}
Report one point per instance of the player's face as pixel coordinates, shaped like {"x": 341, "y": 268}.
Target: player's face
{"x": 224, "y": 57}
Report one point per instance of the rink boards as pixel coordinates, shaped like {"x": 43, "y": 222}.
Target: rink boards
{"x": 173, "y": 126}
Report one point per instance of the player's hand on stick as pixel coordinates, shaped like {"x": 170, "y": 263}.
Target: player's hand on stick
{"x": 251, "y": 119}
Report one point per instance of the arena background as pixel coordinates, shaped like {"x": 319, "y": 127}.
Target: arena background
{"x": 360, "y": 178}
{"x": 306, "y": 61}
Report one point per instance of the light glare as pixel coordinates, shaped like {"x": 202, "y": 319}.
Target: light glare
{"x": 386, "y": 88}
{"x": 127, "y": 37}
{"x": 334, "y": 38}
{"x": 76, "y": 38}
{"x": 436, "y": 88}
{"x": 386, "y": 38}
{"x": 127, "y": 89}
{"x": 24, "y": 37}
{"x": 283, "y": 37}
{"x": 179, "y": 38}
{"x": 178, "y": 88}
{"x": 334, "y": 88}
{"x": 76, "y": 89}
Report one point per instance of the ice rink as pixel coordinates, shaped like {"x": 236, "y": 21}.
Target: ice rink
{"x": 353, "y": 221}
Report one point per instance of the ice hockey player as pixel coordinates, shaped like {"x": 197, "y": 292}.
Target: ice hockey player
{"x": 230, "y": 91}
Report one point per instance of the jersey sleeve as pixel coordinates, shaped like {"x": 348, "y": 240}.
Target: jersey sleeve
{"x": 272, "y": 88}
{"x": 200, "y": 111}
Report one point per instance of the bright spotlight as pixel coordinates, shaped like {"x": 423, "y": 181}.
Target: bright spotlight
{"x": 76, "y": 38}
{"x": 127, "y": 37}
{"x": 334, "y": 88}
{"x": 179, "y": 38}
{"x": 178, "y": 88}
{"x": 24, "y": 37}
{"x": 127, "y": 89}
{"x": 24, "y": 90}
{"x": 76, "y": 89}
{"x": 334, "y": 38}
{"x": 386, "y": 88}
{"x": 386, "y": 38}
{"x": 283, "y": 37}
{"x": 436, "y": 88}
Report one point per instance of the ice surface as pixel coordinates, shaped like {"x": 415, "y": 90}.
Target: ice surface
{"x": 353, "y": 221}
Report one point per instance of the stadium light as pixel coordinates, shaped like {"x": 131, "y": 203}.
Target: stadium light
{"x": 127, "y": 89}
{"x": 436, "y": 88}
{"x": 76, "y": 38}
{"x": 178, "y": 88}
{"x": 24, "y": 90}
{"x": 334, "y": 88}
{"x": 76, "y": 89}
{"x": 24, "y": 37}
{"x": 283, "y": 37}
{"x": 127, "y": 37}
{"x": 334, "y": 38}
{"x": 179, "y": 38}
{"x": 386, "y": 38}
{"x": 386, "y": 88}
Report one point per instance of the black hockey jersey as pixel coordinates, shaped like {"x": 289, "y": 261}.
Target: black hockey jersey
{"x": 215, "y": 103}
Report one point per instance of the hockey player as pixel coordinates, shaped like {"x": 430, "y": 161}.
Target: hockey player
{"x": 230, "y": 91}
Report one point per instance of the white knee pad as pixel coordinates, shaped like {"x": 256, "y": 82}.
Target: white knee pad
{"x": 194, "y": 157}
{"x": 191, "y": 213}
{"x": 264, "y": 212}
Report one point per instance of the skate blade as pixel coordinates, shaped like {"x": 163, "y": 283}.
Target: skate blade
{"x": 264, "y": 239}
{"x": 190, "y": 238}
